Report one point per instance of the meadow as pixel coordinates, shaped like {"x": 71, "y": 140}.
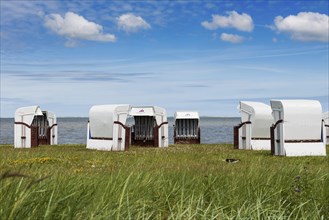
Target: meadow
{"x": 179, "y": 182}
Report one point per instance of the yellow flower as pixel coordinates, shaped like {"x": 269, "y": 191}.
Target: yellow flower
{"x": 35, "y": 160}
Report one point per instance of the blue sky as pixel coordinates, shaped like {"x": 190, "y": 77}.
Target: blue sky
{"x": 66, "y": 56}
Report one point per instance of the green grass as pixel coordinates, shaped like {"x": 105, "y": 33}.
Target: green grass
{"x": 179, "y": 182}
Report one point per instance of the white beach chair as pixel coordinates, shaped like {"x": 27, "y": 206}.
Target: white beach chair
{"x": 253, "y": 132}
{"x": 151, "y": 126}
{"x": 187, "y": 128}
{"x": 106, "y": 129}
{"x": 298, "y": 129}
{"x": 34, "y": 127}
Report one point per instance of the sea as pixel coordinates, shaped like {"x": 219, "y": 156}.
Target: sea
{"x": 74, "y": 130}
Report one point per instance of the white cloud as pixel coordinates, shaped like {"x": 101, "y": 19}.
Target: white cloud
{"x": 242, "y": 22}
{"x": 15, "y": 11}
{"x": 233, "y": 38}
{"x": 75, "y": 26}
{"x": 132, "y": 23}
{"x": 305, "y": 26}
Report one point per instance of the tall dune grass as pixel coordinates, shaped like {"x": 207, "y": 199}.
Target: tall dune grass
{"x": 180, "y": 182}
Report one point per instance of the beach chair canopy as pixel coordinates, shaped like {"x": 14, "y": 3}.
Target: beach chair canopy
{"x": 26, "y": 114}
{"x": 302, "y": 118}
{"x": 102, "y": 118}
{"x": 260, "y": 116}
{"x": 158, "y": 112}
{"x": 186, "y": 115}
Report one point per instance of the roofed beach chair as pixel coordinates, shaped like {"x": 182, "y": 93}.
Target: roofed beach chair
{"x": 34, "y": 127}
{"x": 106, "y": 129}
{"x": 187, "y": 128}
{"x": 298, "y": 129}
{"x": 150, "y": 126}
{"x": 253, "y": 133}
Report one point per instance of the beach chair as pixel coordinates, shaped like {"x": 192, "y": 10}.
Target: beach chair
{"x": 187, "y": 128}
{"x": 150, "y": 126}
{"x": 34, "y": 127}
{"x": 253, "y": 133}
{"x": 298, "y": 129}
{"x": 106, "y": 129}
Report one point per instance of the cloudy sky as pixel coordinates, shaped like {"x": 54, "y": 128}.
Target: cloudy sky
{"x": 181, "y": 55}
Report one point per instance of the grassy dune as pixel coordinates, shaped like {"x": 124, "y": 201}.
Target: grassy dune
{"x": 180, "y": 182}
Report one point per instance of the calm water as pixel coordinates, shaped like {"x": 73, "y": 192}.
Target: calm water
{"x": 74, "y": 130}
